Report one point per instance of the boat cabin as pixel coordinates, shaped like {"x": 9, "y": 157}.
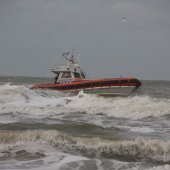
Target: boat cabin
{"x": 68, "y": 73}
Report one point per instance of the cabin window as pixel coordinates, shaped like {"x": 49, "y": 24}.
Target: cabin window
{"x": 77, "y": 75}
{"x": 70, "y": 87}
{"x": 66, "y": 75}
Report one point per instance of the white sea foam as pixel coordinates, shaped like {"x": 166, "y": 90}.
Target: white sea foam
{"x": 36, "y": 156}
{"x": 12, "y": 92}
{"x": 20, "y": 99}
{"x": 134, "y": 149}
{"x": 131, "y": 107}
{"x": 137, "y": 129}
{"x": 142, "y": 129}
{"x": 162, "y": 167}
{"x": 159, "y": 167}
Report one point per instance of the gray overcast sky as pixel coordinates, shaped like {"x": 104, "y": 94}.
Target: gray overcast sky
{"x": 34, "y": 33}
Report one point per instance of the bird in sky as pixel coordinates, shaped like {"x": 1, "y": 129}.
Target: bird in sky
{"x": 123, "y": 19}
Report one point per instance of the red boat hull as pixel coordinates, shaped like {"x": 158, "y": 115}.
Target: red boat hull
{"x": 94, "y": 85}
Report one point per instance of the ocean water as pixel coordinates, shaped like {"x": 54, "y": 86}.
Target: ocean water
{"x": 45, "y": 129}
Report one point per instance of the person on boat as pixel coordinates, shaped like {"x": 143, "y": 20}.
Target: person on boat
{"x": 56, "y": 78}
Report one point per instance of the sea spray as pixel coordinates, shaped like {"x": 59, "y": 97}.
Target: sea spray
{"x": 19, "y": 99}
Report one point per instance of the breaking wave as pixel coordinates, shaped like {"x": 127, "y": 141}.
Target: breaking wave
{"x": 10, "y": 92}
{"x": 20, "y": 99}
{"x": 131, "y": 150}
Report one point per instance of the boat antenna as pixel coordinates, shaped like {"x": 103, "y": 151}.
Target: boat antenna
{"x": 70, "y": 59}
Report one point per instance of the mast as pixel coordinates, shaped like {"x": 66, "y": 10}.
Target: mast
{"x": 69, "y": 56}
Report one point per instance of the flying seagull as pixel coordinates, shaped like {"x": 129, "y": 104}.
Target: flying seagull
{"x": 123, "y": 19}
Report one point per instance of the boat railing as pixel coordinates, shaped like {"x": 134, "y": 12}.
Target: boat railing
{"x": 60, "y": 68}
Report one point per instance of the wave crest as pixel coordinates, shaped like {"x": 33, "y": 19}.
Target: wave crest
{"x": 20, "y": 99}
{"x": 133, "y": 150}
